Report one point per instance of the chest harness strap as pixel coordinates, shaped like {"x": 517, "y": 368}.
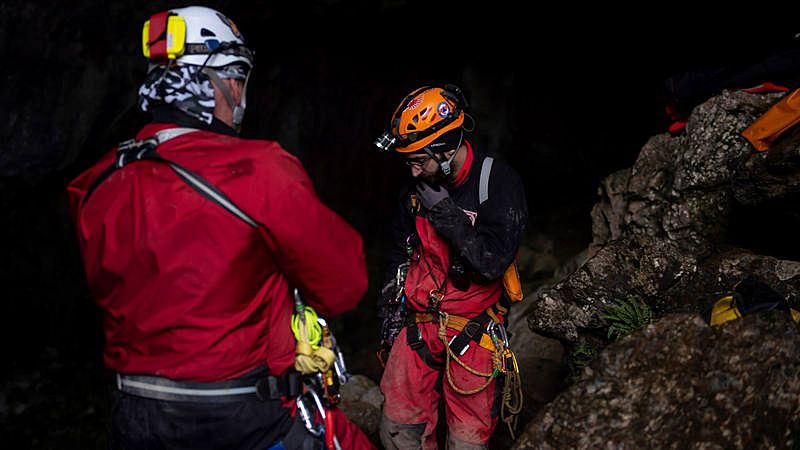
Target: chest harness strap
{"x": 145, "y": 150}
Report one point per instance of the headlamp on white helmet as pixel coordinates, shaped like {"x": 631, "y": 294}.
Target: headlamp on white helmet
{"x": 203, "y": 37}
{"x": 194, "y": 35}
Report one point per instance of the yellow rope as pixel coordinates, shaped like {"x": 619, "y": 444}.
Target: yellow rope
{"x": 512, "y": 386}
{"x": 312, "y": 331}
{"x": 450, "y": 355}
{"x": 512, "y": 397}
{"x": 310, "y": 357}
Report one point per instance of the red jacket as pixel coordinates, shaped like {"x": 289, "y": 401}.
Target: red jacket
{"x": 188, "y": 290}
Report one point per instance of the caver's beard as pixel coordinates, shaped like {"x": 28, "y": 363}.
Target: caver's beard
{"x": 434, "y": 178}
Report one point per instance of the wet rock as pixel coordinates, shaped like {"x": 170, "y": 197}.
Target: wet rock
{"x": 681, "y": 382}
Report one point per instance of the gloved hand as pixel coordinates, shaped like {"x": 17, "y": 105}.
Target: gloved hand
{"x": 429, "y": 195}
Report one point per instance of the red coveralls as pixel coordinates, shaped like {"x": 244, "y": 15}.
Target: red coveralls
{"x": 409, "y": 384}
{"x": 190, "y": 292}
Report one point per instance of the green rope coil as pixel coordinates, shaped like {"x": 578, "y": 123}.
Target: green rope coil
{"x": 313, "y": 327}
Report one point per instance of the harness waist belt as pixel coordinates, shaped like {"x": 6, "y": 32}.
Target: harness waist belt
{"x": 266, "y": 387}
{"x": 457, "y": 323}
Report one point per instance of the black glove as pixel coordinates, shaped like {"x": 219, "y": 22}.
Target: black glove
{"x": 430, "y": 196}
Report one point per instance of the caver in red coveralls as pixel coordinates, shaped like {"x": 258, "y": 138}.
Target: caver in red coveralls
{"x": 191, "y": 293}
{"x": 482, "y": 238}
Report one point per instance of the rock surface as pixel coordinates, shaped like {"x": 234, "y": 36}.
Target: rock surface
{"x": 682, "y": 384}
{"x": 661, "y": 228}
{"x": 362, "y": 402}
{"x": 694, "y": 215}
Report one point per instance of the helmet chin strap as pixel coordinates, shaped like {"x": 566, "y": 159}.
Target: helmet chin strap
{"x": 238, "y": 110}
{"x": 446, "y": 167}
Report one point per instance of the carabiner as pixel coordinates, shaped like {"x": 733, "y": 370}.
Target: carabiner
{"x": 491, "y": 330}
{"x": 503, "y": 334}
{"x": 305, "y": 416}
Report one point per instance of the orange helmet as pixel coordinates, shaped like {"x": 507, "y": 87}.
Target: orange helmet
{"x": 422, "y": 117}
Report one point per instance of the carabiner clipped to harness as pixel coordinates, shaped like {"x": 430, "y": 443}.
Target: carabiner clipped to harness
{"x": 325, "y": 430}
{"x": 308, "y": 418}
{"x": 329, "y": 340}
{"x": 498, "y": 334}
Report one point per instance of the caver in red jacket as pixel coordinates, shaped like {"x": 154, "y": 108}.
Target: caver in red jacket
{"x": 481, "y": 239}
{"x": 190, "y": 292}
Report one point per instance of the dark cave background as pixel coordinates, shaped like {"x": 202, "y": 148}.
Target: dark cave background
{"x": 567, "y": 94}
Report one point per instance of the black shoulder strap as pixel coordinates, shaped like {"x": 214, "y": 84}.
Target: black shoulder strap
{"x": 133, "y": 150}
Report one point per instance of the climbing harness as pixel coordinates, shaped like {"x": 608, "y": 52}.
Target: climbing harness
{"x": 485, "y": 330}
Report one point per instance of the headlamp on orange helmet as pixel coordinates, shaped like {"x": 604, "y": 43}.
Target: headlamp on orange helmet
{"x": 424, "y": 119}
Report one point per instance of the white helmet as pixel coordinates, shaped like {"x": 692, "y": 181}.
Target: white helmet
{"x": 194, "y": 35}
{"x": 203, "y": 37}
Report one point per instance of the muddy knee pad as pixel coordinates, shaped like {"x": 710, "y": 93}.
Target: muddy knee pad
{"x": 454, "y": 443}
{"x": 396, "y": 436}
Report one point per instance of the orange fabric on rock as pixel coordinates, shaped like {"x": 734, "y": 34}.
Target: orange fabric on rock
{"x": 781, "y": 117}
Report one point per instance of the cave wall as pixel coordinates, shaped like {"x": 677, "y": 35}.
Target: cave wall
{"x": 567, "y": 98}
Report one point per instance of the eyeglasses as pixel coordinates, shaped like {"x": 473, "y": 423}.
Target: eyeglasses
{"x": 419, "y": 162}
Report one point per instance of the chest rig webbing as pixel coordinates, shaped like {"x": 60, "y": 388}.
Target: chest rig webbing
{"x": 131, "y": 151}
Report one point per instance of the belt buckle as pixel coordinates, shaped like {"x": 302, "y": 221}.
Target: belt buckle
{"x": 472, "y": 329}
{"x": 415, "y": 341}
{"x": 267, "y": 389}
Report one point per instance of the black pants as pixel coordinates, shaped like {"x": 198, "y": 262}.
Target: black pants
{"x": 142, "y": 423}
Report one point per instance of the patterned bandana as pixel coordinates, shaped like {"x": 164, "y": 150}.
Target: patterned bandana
{"x": 185, "y": 87}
